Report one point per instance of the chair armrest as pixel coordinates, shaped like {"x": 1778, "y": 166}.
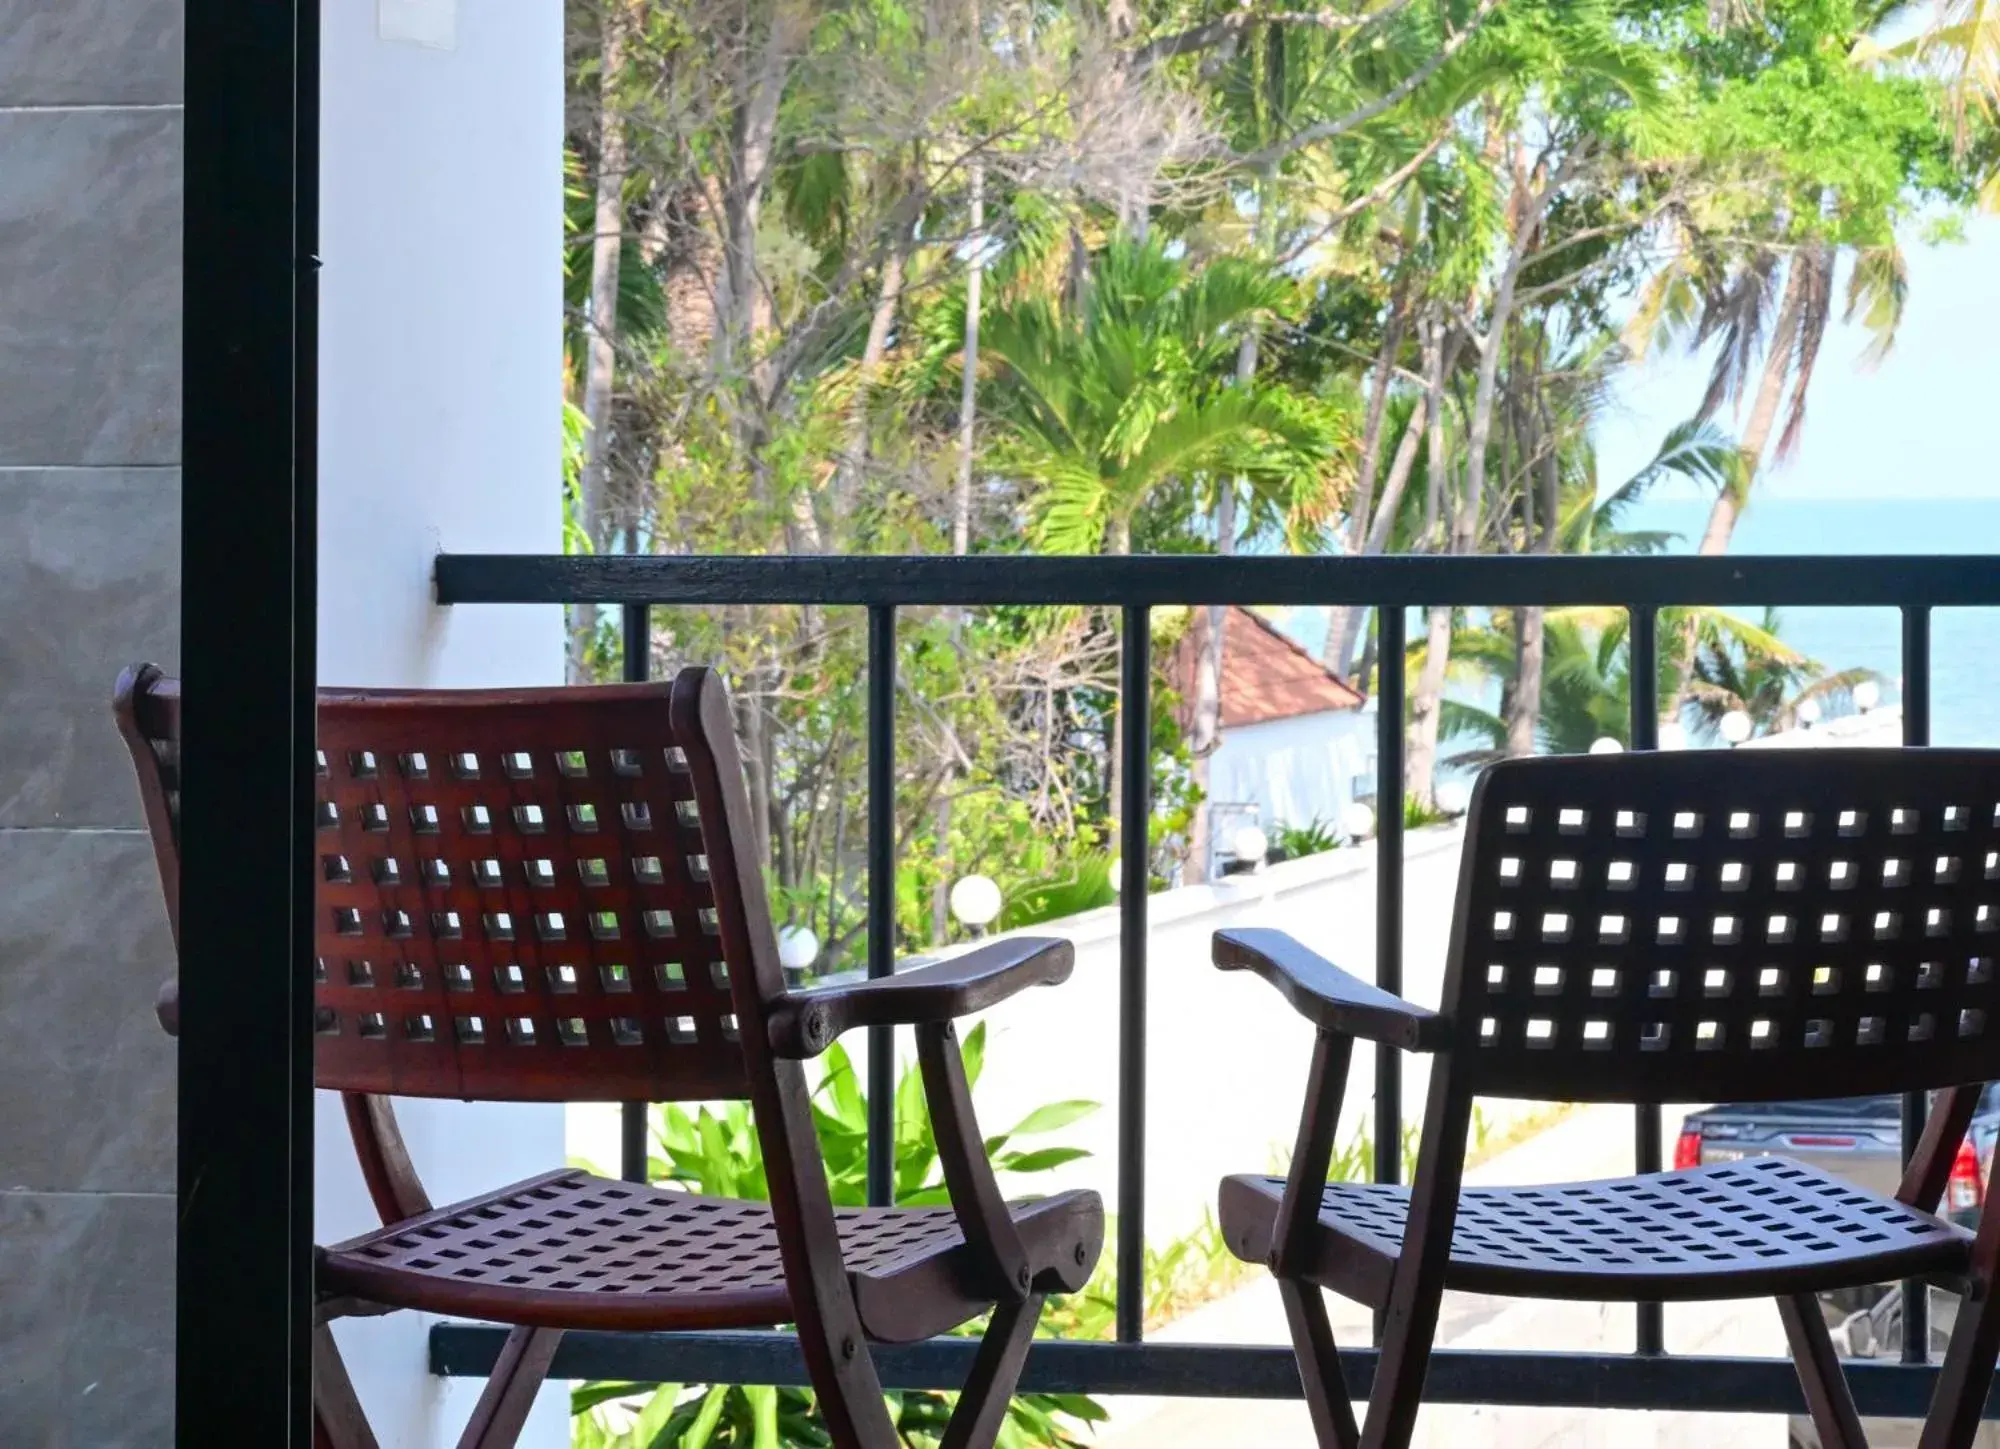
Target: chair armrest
{"x": 806, "y": 1023}
{"x": 167, "y": 1006}
{"x": 1326, "y": 995}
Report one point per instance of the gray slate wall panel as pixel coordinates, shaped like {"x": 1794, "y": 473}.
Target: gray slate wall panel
{"x": 89, "y": 582}
{"x": 90, "y": 296}
{"x": 85, "y": 1071}
{"x": 90, "y": 52}
{"x": 86, "y": 1343}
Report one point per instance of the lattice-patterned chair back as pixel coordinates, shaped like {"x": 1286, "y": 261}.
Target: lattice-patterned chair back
{"x": 1707, "y": 926}
{"x": 526, "y": 895}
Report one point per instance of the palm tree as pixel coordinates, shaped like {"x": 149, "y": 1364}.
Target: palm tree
{"x": 1767, "y": 685}
{"x": 1103, "y": 404}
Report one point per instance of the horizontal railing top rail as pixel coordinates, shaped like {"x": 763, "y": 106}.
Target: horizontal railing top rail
{"x": 1936, "y": 581}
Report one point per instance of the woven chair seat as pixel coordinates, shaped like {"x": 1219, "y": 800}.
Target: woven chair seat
{"x": 1763, "y": 1225}
{"x": 572, "y": 1250}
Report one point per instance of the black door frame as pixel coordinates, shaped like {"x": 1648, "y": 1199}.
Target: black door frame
{"x": 248, "y": 624}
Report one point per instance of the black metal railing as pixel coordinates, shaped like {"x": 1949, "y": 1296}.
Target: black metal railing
{"x": 1647, "y": 1378}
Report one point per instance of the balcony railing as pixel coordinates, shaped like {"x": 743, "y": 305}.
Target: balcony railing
{"x": 1648, "y": 1378}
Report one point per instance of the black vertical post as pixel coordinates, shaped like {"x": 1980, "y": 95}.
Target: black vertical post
{"x": 248, "y": 623}
{"x": 1390, "y": 647}
{"x": 1916, "y": 733}
{"x": 636, "y": 634}
{"x": 1644, "y": 636}
{"x": 1135, "y": 813}
{"x": 881, "y": 896}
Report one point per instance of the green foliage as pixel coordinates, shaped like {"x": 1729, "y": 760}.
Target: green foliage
{"x": 716, "y": 1151}
{"x": 1289, "y": 842}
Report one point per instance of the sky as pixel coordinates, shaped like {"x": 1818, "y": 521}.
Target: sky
{"x": 1922, "y": 424}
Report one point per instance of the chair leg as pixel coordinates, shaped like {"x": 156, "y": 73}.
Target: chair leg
{"x": 502, "y": 1410}
{"x": 982, "y": 1405}
{"x": 1319, "y": 1365}
{"x": 338, "y": 1422}
{"x": 1828, "y": 1398}
{"x": 1967, "y": 1374}
{"x": 1407, "y": 1334}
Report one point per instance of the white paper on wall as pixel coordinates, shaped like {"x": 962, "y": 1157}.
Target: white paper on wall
{"x": 429, "y": 23}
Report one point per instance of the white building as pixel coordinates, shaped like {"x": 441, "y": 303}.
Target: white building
{"x": 1297, "y": 745}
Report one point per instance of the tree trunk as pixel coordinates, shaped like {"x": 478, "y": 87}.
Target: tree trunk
{"x": 1207, "y": 733}
{"x": 1763, "y": 413}
{"x": 1118, "y": 541}
{"x": 961, "y": 502}
{"x": 854, "y": 458}
{"x": 606, "y": 252}
{"x": 968, "y": 383}
{"x": 1426, "y": 707}
{"x": 1524, "y": 716}
{"x": 1342, "y": 633}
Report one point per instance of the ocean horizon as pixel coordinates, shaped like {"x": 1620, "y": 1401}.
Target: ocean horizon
{"x": 1965, "y": 643}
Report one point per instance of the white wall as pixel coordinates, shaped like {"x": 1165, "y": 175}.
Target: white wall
{"x": 1226, "y": 1057}
{"x": 440, "y": 374}
{"x": 1294, "y": 770}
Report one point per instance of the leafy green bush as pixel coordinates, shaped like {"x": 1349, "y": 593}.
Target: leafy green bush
{"x": 1083, "y": 886}
{"x": 715, "y": 1150}
{"x": 1289, "y": 842}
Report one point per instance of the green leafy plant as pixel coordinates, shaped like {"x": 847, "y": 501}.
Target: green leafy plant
{"x": 1084, "y": 886}
{"x": 1289, "y": 842}
{"x": 715, "y": 1150}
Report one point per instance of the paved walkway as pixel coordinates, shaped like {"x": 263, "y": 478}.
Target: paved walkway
{"x": 1594, "y": 1142}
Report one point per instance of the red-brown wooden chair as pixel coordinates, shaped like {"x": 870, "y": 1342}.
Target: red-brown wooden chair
{"x": 1658, "y": 928}
{"x": 550, "y": 896}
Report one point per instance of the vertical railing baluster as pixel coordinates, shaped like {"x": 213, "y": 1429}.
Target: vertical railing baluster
{"x": 636, "y": 637}
{"x": 1135, "y": 812}
{"x": 1643, "y": 634}
{"x": 1916, "y": 733}
{"x": 1391, "y": 644}
{"x": 881, "y": 896}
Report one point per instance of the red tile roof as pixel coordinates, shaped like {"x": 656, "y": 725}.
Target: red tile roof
{"x": 1265, "y": 675}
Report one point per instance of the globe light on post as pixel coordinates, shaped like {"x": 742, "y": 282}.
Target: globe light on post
{"x": 976, "y": 902}
{"x": 1357, "y": 821}
{"x": 1607, "y": 745}
{"x": 1808, "y": 712}
{"x": 798, "y": 949}
{"x": 1736, "y": 726}
{"x": 1867, "y": 694}
{"x": 1250, "y": 845}
{"x": 1454, "y": 797}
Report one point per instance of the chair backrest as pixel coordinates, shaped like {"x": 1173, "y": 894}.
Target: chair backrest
{"x": 1703, "y": 926}
{"x": 523, "y": 895}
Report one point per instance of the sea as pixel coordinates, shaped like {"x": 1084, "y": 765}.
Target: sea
{"x": 1965, "y": 643}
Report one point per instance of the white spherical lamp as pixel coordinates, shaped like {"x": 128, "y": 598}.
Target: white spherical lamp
{"x": 975, "y": 901}
{"x": 1607, "y": 745}
{"x": 1454, "y": 797}
{"x": 1250, "y": 845}
{"x": 1673, "y": 735}
{"x": 1357, "y": 821}
{"x": 798, "y": 948}
{"x": 1809, "y": 712}
{"x": 1867, "y": 694}
{"x": 1736, "y": 726}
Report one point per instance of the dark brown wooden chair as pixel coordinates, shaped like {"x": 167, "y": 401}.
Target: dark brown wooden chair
{"x": 1653, "y": 928}
{"x": 550, "y": 896}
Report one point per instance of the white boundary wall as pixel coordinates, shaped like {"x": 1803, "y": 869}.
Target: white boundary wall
{"x": 1227, "y": 1058}
{"x": 440, "y": 370}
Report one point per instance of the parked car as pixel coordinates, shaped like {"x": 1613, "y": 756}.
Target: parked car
{"x": 1861, "y": 1139}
